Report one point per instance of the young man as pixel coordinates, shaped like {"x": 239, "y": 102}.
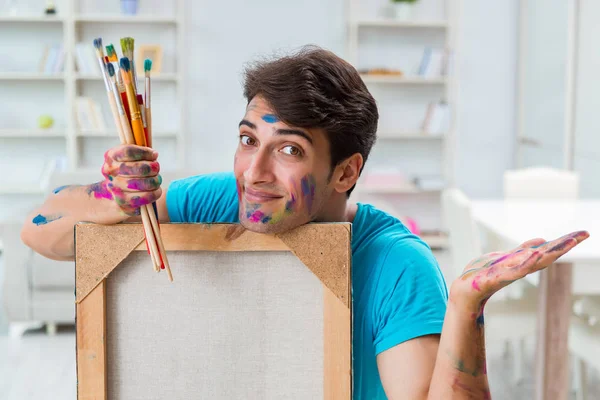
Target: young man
{"x": 307, "y": 131}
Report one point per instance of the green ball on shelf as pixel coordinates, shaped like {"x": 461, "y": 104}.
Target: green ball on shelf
{"x": 45, "y": 121}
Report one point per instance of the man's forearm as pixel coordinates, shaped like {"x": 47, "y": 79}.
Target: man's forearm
{"x": 49, "y": 229}
{"x": 460, "y": 369}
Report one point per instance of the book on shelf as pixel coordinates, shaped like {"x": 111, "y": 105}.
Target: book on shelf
{"x": 53, "y": 60}
{"x": 437, "y": 118}
{"x": 89, "y": 115}
{"x": 435, "y": 63}
{"x": 85, "y": 59}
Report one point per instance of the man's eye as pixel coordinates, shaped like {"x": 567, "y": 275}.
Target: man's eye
{"x": 247, "y": 140}
{"x": 291, "y": 150}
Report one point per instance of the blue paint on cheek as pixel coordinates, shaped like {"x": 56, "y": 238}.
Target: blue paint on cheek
{"x": 270, "y": 118}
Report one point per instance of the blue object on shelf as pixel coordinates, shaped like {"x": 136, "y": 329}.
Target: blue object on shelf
{"x": 129, "y": 7}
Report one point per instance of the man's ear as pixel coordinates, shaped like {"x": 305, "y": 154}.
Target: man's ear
{"x": 346, "y": 173}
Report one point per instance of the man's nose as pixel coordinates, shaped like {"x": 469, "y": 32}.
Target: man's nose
{"x": 260, "y": 169}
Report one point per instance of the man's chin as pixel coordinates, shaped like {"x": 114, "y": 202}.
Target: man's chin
{"x": 259, "y": 227}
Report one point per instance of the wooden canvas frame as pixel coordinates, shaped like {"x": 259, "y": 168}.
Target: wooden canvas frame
{"x": 323, "y": 248}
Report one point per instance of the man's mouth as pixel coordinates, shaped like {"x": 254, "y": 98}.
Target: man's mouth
{"x": 259, "y": 196}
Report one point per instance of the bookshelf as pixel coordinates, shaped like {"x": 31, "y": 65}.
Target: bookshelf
{"x": 27, "y": 36}
{"x": 399, "y": 55}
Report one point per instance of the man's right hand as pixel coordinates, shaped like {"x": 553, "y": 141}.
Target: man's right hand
{"x": 131, "y": 175}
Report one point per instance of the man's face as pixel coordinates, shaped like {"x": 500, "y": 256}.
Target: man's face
{"x": 282, "y": 172}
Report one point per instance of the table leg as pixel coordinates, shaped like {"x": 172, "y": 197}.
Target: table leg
{"x": 554, "y": 315}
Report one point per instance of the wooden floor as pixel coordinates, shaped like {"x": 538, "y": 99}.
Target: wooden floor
{"x": 41, "y": 367}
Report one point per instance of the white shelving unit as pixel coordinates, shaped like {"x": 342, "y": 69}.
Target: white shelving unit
{"x": 77, "y": 22}
{"x": 385, "y": 35}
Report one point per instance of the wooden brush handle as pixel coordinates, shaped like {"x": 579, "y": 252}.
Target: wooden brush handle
{"x": 150, "y": 238}
{"x": 149, "y": 126}
{"x": 115, "y": 113}
{"x": 138, "y": 130}
{"x": 128, "y": 136}
{"x": 161, "y": 246}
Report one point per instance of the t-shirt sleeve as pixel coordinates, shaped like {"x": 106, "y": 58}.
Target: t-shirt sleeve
{"x": 412, "y": 295}
{"x": 210, "y": 198}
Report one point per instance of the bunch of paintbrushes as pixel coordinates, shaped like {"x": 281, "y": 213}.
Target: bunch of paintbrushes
{"x": 133, "y": 119}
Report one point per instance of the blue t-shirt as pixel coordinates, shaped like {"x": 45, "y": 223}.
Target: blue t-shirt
{"x": 398, "y": 290}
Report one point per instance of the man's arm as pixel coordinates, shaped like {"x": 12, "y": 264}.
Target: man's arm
{"x": 406, "y": 369}
{"x": 460, "y": 366}
{"x": 132, "y": 179}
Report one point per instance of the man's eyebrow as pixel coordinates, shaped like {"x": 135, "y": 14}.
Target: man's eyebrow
{"x": 247, "y": 123}
{"x": 280, "y": 131}
{"x": 294, "y": 132}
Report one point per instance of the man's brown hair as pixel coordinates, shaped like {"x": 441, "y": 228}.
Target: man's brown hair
{"x": 314, "y": 88}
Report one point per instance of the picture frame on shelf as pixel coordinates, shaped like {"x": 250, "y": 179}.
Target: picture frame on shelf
{"x": 152, "y": 52}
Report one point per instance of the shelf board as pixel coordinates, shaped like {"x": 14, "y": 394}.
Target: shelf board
{"x": 113, "y": 134}
{"x": 30, "y": 133}
{"x": 409, "y": 135}
{"x": 30, "y": 76}
{"x": 390, "y": 23}
{"x": 161, "y": 77}
{"x": 409, "y": 80}
{"x": 21, "y": 189}
{"x": 142, "y": 19}
{"x": 30, "y": 18}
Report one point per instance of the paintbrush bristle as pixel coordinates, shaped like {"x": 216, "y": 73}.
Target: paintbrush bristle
{"x": 111, "y": 53}
{"x": 111, "y": 70}
{"x": 124, "y": 63}
{"x": 98, "y": 44}
{"x": 127, "y": 44}
{"x": 147, "y": 65}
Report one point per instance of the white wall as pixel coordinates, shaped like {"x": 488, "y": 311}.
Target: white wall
{"x": 487, "y": 71}
{"x": 222, "y": 37}
{"x": 221, "y": 40}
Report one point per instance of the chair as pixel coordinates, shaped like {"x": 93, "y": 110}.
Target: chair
{"x": 511, "y": 317}
{"x": 541, "y": 183}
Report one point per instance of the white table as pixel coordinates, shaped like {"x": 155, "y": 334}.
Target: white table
{"x": 514, "y": 222}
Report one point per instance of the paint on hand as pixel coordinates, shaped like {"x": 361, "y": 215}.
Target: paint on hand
{"x": 100, "y": 191}
{"x": 145, "y": 184}
{"x": 270, "y": 118}
{"x": 43, "y": 220}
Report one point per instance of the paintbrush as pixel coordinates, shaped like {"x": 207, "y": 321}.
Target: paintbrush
{"x": 148, "y": 114}
{"x": 111, "y": 99}
{"x": 148, "y": 95}
{"x": 127, "y": 47}
{"x": 111, "y": 53}
{"x": 134, "y": 109}
{"x": 127, "y": 138}
{"x": 140, "y": 140}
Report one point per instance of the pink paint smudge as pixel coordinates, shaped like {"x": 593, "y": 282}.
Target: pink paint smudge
{"x": 475, "y": 285}
{"x": 100, "y": 191}
{"x": 256, "y": 216}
